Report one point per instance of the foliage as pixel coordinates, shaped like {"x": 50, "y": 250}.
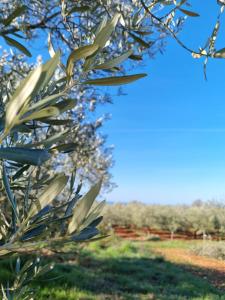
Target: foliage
{"x": 210, "y": 249}
{"x": 31, "y": 220}
{"x": 206, "y": 219}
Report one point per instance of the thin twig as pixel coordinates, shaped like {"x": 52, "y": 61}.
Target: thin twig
{"x": 170, "y": 30}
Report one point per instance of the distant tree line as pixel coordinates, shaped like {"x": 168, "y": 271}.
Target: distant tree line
{"x": 200, "y": 218}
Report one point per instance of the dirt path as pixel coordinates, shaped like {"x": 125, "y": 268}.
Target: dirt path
{"x": 211, "y": 269}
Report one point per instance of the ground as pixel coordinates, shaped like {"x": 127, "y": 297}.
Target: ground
{"x": 205, "y": 267}
{"x": 117, "y": 269}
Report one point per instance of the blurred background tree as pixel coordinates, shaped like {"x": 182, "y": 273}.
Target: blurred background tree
{"x": 198, "y": 221}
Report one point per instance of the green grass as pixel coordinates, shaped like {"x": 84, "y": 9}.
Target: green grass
{"x": 116, "y": 269}
{"x": 177, "y": 244}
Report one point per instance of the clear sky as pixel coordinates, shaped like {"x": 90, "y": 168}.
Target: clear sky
{"x": 169, "y": 131}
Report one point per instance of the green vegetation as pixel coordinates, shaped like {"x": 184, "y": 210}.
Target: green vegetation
{"x": 209, "y": 249}
{"x": 175, "y": 244}
{"x": 203, "y": 219}
{"x": 117, "y": 269}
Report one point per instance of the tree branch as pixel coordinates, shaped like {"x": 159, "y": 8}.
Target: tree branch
{"x": 41, "y": 24}
{"x": 169, "y": 29}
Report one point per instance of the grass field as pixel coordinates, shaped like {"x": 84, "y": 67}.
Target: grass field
{"x": 118, "y": 269}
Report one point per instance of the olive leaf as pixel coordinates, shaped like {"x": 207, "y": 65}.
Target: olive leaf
{"x": 78, "y": 9}
{"x": 140, "y": 40}
{"x": 94, "y": 214}
{"x": 16, "y": 13}
{"x": 90, "y": 60}
{"x": 48, "y": 70}
{"x": 221, "y": 2}
{"x": 25, "y": 156}
{"x": 101, "y": 25}
{"x": 28, "y": 88}
{"x": 117, "y": 80}
{"x": 45, "y": 102}
{"x": 85, "y": 234}
{"x": 189, "y": 13}
{"x": 14, "y": 43}
{"x": 115, "y": 61}
{"x": 104, "y": 34}
{"x": 48, "y": 142}
{"x": 65, "y": 105}
{"x": 64, "y": 148}
{"x": 50, "y": 46}
{"x": 135, "y": 57}
{"x": 82, "y": 207}
{"x": 49, "y": 194}
{"x": 77, "y": 54}
{"x": 56, "y": 122}
{"x": 9, "y": 193}
{"x": 21, "y": 96}
{"x": 52, "y": 52}
{"x": 220, "y": 53}
{"x": 46, "y": 112}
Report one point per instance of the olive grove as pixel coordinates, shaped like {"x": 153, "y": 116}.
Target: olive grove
{"x": 50, "y": 144}
{"x": 208, "y": 219}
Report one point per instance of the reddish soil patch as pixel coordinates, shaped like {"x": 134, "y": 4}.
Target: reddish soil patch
{"x": 210, "y": 269}
{"x": 133, "y": 233}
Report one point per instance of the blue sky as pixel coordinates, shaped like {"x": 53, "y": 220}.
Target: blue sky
{"x": 169, "y": 131}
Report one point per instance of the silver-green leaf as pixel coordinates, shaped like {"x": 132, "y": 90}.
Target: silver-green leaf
{"x": 50, "y": 193}
{"x": 21, "y": 155}
{"x": 82, "y": 208}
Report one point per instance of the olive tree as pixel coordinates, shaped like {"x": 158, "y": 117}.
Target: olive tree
{"x": 203, "y": 220}
{"x": 34, "y": 211}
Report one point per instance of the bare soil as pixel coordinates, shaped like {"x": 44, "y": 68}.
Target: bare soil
{"x": 211, "y": 269}
{"x": 133, "y": 233}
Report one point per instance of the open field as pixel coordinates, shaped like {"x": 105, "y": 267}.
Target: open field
{"x": 120, "y": 269}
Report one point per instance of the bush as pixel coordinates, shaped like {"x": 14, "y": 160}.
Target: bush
{"x": 210, "y": 249}
{"x": 153, "y": 238}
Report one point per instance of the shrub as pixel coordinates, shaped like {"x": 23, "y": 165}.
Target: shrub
{"x": 210, "y": 249}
